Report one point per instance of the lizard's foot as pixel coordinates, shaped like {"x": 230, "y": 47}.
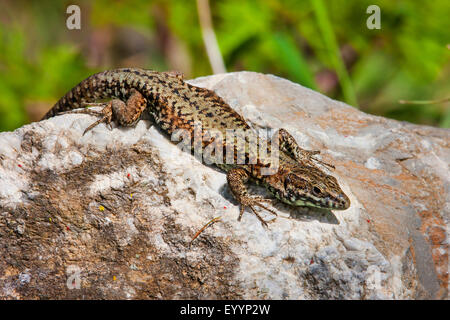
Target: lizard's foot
{"x": 105, "y": 114}
{"x": 251, "y": 202}
{"x": 310, "y": 155}
{"x": 126, "y": 114}
{"x": 326, "y": 164}
{"x": 289, "y": 145}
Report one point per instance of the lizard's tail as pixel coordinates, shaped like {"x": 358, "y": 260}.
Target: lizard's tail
{"x": 98, "y": 86}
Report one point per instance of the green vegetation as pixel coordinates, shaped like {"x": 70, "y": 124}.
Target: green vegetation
{"x": 321, "y": 44}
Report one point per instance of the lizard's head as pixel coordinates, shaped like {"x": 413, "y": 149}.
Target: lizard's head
{"x": 310, "y": 187}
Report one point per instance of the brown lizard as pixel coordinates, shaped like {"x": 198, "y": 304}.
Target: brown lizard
{"x": 174, "y": 104}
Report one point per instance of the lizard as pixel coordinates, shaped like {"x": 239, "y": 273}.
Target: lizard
{"x": 299, "y": 179}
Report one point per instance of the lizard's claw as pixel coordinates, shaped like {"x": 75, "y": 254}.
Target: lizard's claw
{"x": 311, "y": 153}
{"x": 324, "y": 163}
{"x": 105, "y": 114}
{"x": 83, "y": 111}
{"x": 251, "y": 202}
{"x": 106, "y": 117}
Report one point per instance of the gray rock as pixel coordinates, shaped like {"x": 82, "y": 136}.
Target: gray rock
{"x": 110, "y": 215}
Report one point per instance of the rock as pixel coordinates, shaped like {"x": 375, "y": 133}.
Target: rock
{"x": 110, "y": 215}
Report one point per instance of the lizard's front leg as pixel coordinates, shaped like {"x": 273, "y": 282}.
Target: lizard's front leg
{"x": 126, "y": 114}
{"x": 288, "y": 144}
{"x": 237, "y": 178}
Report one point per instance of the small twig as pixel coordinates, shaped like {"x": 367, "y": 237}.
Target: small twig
{"x": 209, "y": 37}
{"x": 210, "y": 222}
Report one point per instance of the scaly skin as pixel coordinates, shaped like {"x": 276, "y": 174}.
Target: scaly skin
{"x": 175, "y": 104}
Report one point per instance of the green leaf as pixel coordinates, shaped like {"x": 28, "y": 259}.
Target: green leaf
{"x": 445, "y": 122}
{"x": 292, "y": 60}
{"x": 332, "y": 48}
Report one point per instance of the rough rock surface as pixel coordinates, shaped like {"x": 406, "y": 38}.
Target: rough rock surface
{"x": 111, "y": 214}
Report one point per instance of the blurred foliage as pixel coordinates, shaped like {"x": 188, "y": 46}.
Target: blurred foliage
{"x": 321, "y": 44}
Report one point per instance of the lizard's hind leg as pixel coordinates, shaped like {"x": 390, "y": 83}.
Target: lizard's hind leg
{"x": 126, "y": 114}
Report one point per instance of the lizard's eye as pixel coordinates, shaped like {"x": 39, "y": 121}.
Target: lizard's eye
{"x": 287, "y": 181}
{"x": 316, "y": 190}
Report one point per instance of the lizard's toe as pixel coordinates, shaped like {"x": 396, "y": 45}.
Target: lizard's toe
{"x": 312, "y": 153}
{"x": 106, "y": 117}
{"x": 252, "y": 202}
